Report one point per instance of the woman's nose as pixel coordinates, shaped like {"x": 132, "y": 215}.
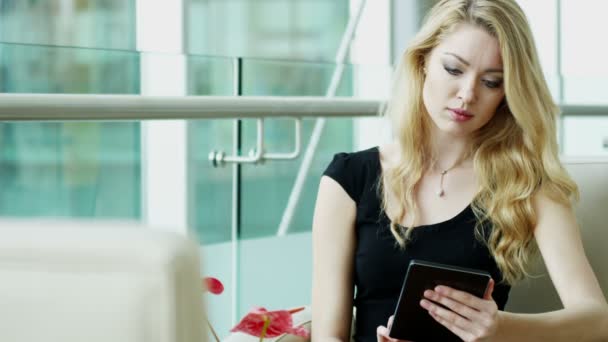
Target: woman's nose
{"x": 467, "y": 92}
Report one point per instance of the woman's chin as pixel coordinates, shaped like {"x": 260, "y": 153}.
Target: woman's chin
{"x": 457, "y": 130}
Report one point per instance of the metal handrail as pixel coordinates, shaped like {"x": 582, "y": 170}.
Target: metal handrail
{"x": 259, "y": 154}
{"x": 296, "y": 149}
{"x": 256, "y": 155}
{"x": 63, "y": 107}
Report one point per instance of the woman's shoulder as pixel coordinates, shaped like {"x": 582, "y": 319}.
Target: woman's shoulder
{"x": 388, "y": 155}
{"x": 373, "y": 159}
{"x": 353, "y": 170}
{"x": 349, "y": 161}
{"x": 361, "y": 155}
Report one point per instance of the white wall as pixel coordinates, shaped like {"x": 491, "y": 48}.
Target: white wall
{"x": 371, "y": 56}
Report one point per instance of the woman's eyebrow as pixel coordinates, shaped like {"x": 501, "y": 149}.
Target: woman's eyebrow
{"x": 464, "y": 61}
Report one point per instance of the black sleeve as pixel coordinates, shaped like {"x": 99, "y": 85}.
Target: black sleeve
{"x": 344, "y": 169}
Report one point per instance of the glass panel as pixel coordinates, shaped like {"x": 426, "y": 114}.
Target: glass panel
{"x": 266, "y": 188}
{"x": 52, "y": 69}
{"x": 259, "y": 250}
{"x": 106, "y": 24}
{"x": 274, "y": 180}
{"x": 301, "y": 29}
{"x": 542, "y": 15}
{"x": 211, "y": 194}
{"x": 586, "y": 135}
{"x": 69, "y": 169}
{"x": 210, "y": 188}
{"x": 275, "y": 271}
{"x": 584, "y": 65}
{"x": 585, "y": 90}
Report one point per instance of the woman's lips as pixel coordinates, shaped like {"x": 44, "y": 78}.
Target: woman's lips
{"x": 460, "y": 115}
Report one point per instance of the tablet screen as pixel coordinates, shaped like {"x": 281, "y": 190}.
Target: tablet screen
{"x": 411, "y": 321}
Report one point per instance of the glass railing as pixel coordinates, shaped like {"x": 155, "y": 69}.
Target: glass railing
{"x": 69, "y": 169}
{"x": 53, "y": 69}
{"x": 93, "y": 169}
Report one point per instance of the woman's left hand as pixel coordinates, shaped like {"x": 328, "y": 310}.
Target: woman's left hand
{"x": 469, "y": 317}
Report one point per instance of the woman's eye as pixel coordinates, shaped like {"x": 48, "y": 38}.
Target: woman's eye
{"x": 451, "y": 71}
{"x": 492, "y": 84}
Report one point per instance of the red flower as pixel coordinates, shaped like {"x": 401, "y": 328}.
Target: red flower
{"x": 216, "y": 287}
{"x": 263, "y": 323}
{"x": 213, "y": 285}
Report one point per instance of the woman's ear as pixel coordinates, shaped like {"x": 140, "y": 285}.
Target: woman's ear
{"x": 425, "y": 63}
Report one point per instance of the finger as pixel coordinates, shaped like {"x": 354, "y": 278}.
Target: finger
{"x": 488, "y": 294}
{"x": 463, "y": 297}
{"x": 462, "y": 333}
{"x": 389, "y": 325}
{"x": 447, "y": 315}
{"x": 457, "y": 307}
{"x": 382, "y": 334}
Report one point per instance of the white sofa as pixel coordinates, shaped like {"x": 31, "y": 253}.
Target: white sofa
{"x": 74, "y": 282}
{"x": 591, "y": 175}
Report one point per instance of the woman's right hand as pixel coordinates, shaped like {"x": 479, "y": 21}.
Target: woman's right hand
{"x": 382, "y": 332}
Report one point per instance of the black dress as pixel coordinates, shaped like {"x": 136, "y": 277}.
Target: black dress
{"x": 380, "y": 264}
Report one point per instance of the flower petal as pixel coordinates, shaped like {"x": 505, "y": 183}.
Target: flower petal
{"x": 258, "y": 310}
{"x": 280, "y": 323}
{"x": 292, "y": 311}
{"x": 251, "y": 324}
{"x": 299, "y": 331}
{"x": 213, "y": 285}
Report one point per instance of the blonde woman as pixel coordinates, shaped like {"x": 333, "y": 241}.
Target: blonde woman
{"x": 473, "y": 179}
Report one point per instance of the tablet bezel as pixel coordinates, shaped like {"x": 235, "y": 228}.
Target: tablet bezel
{"x": 413, "y": 322}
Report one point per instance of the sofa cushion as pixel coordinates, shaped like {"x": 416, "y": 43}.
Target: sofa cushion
{"x": 98, "y": 282}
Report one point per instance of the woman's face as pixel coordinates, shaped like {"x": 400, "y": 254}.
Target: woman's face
{"x": 464, "y": 81}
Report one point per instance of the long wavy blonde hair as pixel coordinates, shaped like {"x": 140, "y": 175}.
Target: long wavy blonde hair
{"x": 515, "y": 155}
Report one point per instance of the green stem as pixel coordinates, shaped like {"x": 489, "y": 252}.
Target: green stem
{"x": 217, "y": 339}
{"x": 264, "y": 328}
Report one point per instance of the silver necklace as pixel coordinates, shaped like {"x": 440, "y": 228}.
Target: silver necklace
{"x": 441, "y": 192}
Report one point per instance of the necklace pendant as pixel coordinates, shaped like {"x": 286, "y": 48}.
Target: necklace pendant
{"x": 440, "y": 193}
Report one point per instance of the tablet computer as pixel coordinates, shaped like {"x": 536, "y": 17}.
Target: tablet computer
{"x": 411, "y": 321}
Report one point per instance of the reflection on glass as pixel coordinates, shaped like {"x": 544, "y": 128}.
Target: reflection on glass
{"x": 274, "y": 180}
{"x": 108, "y": 24}
{"x": 74, "y": 169}
{"x": 275, "y": 271}
{"x": 79, "y": 169}
{"x": 285, "y": 29}
{"x": 265, "y": 187}
{"x": 210, "y": 188}
{"x": 52, "y": 69}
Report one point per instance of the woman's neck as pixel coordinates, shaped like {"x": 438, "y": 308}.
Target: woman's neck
{"x": 449, "y": 151}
